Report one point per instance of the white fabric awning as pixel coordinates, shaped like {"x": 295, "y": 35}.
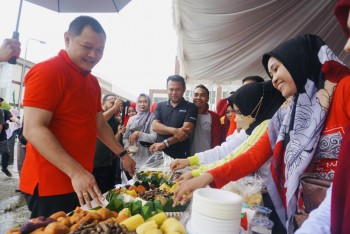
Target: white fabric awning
{"x": 222, "y": 41}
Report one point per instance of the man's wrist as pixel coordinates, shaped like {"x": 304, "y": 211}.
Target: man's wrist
{"x": 123, "y": 154}
{"x": 166, "y": 143}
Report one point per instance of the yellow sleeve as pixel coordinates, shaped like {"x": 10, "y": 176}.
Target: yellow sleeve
{"x": 194, "y": 160}
{"x": 252, "y": 139}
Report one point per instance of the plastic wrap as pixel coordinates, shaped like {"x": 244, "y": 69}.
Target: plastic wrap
{"x": 249, "y": 188}
{"x": 159, "y": 161}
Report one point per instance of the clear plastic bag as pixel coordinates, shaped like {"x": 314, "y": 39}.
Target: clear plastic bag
{"x": 159, "y": 161}
{"x": 249, "y": 188}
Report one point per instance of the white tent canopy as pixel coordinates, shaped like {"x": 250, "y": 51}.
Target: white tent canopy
{"x": 222, "y": 41}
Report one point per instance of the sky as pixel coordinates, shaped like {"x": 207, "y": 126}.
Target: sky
{"x": 140, "y": 48}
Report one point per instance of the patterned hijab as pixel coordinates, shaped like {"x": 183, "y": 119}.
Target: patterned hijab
{"x": 294, "y": 136}
{"x": 247, "y": 98}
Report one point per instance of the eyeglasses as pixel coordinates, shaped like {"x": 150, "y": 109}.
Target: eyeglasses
{"x": 237, "y": 112}
{"x": 256, "y": 108}
{"x": 111, "y": 99}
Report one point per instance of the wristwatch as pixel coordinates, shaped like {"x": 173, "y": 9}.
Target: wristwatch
{"x": 122, "y": 154}
{"x": 166, "y": 143}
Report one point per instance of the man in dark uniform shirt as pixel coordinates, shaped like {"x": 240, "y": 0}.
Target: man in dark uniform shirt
{"x": 104, "y": 170}
{"x": 174, "y": 120}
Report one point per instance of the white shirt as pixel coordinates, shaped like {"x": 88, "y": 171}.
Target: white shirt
{"x": 221, "y": 151}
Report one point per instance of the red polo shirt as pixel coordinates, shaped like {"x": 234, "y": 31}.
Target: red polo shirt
{"x": 73, "y": 97}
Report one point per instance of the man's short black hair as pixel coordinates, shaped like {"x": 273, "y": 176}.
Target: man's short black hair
{"x": 176, "y": 78}
{"x": 203, "y": 87}
{"x": 79, "y": 23}
{"x": 1, "y": 99}
{"x": 257, "y": 79}
{"x": 107, "y": 96}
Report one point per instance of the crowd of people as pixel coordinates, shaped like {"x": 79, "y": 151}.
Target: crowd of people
{"x": 295, "y": 122}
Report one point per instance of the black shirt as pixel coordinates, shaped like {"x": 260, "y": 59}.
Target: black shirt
{"x": 103, "y": 155}
{"x": 175, "y": 117}
{"x": 4, "y": 116}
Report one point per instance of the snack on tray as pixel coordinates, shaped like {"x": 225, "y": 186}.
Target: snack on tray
{"x": 102, "y": 220}
{"x": 249, "y": 188}
{"x": 146, "y": 200}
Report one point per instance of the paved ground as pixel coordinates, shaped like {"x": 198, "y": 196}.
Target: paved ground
{"x": 13, "y": 209}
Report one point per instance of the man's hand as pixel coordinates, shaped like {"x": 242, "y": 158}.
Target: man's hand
{"x": 129, "y": 164}
{"x": 85, "y": 186}
{"x": 157, "y": 147}
{"x": 118, "y": 103}
{"x": 179, "y": 164}
{"x": 181, "y": 133}
{"x": 121, "y": 129}
{"x": 9, "y": 48}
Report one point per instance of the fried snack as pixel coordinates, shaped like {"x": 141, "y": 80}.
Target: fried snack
{"x": 56, "y": 228}
{"x": 39, "y": 231}
{"x": 78, "y": 215}
{"x": 115, "y": 214}
{"x": 58, "y": 214}
{"x": 104, "y": 213}
{"x": 95, "y": 215}
{"x": 74, "y": 227}
{"x": 14, "y": 230}
{"x": 110, "y": 220}
{"x": 90, "y": 216}
{"x": 65, "y": 221}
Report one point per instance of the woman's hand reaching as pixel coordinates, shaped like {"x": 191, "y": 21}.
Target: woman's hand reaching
{"x": 184, "y": 192}
{"x": 134, "y": 138}
{"x": 184, "y": 177}
{"x": 179, "y": 164}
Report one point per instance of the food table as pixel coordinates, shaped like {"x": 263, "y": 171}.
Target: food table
{"x": 145, "y": 198}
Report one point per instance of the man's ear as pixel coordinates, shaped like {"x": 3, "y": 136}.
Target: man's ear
{"x": 66, "y": 38}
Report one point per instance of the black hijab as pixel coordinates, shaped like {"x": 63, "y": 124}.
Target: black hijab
{"x": 247, "y": 98}
{"x": 300, "y": 56}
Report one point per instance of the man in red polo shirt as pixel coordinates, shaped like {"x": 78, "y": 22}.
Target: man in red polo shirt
{"x": 63, "y": 117}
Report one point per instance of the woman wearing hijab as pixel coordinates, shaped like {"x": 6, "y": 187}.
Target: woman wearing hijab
{"x": 291, "y": 139}
{"x": 130, "y": 111}
{"x": 224, "y": 110}
{"x": 138, "y": 130}
{"x": 333, "y": 214}
{"x": 255, "y": 104}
